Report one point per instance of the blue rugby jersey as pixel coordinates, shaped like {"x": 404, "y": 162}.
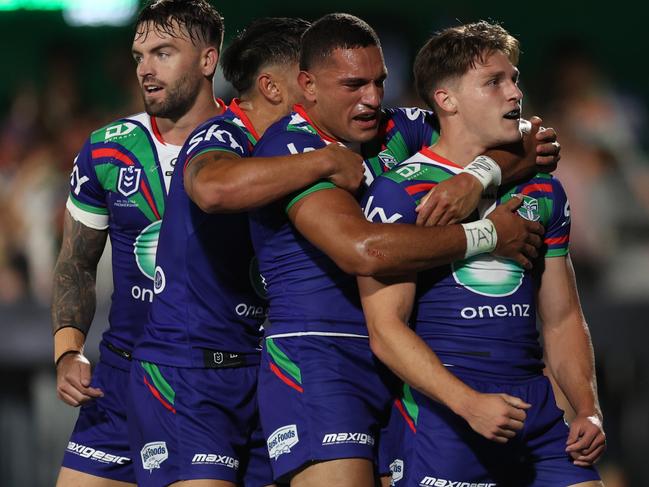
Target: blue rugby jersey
{"x": 477, "y": 314}
{"x": 119, "y": 182}
{"x": 207, "y": 286}
{"x": 306, "y": 290}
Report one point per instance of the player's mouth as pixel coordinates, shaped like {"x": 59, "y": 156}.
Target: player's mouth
{"x": 151, "y": 89}
{"x": 513, "y": 115}
{"x": 366, "y": 120}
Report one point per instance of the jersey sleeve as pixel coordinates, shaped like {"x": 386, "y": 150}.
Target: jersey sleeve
{"x": 87, "y": 199}
{"x": 557, "y": 232}
{"x": 217, "y": 134}
{"x": 386, "y": 201}
{"x": 284, "y": 143}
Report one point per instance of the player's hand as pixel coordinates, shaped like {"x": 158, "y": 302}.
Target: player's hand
{"x": 451, "y": 201}
{"x": 586, "y": 440}
{"x": 347, "y": 167}
{"x": 518, "y": 239}
{"x": 497, "y": 417}
{"x": 517, "y": 161}
{"x": 73, "y": 375}
{"x": 547, "y": 150}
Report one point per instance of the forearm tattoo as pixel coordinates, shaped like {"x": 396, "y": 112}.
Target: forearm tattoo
{"x": 73, "y": 296}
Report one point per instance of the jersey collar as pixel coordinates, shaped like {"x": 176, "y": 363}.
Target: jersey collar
{"x": 428, "y": 152}
{"x": 236, "y": 109}
{"x": 299, "y": 109}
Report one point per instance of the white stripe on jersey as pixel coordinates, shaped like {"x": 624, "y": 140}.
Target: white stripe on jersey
{"x": 89, "y": 219}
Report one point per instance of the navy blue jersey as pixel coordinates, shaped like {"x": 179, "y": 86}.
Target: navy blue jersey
{"x": 119, "y": 182}
{"x": 307, "y": 291}
{"x": 208, "y": 292}
{"x": 479, "y": 313}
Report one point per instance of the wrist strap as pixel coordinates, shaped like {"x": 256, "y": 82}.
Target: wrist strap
{"x": 485, "y": 170}
{"x": 481, "y": 237}
{"x": 67, "y": 340}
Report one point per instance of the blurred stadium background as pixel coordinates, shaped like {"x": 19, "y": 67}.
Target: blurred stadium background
{"x": 67, "y": 69}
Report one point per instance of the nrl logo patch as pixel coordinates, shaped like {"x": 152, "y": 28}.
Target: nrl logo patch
{"x": 530, "y": 209}
{"x": 153, "y": 454}
{"x": 129, "y": 180}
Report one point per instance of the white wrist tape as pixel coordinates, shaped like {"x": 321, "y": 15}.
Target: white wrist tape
{"x": 486, "y": 170}
{"x": 481, "y": 237}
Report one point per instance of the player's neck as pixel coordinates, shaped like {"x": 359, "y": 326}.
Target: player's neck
{"x": 312, "y": 111}
{"x": 261, "y": 113}
{"x": 175, "y": 132}
{"x": 458, "y": 145}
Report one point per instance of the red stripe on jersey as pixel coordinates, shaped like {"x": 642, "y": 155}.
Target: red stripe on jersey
{"x": 285, "y": 379}
{"x": 157, "y": 395}
{"x": 537, "y": 187}
{"x": 557, "y": 240}
{"x": 149, "y": 199}
{"x": 428, "y": 152}
{"x": 120, "y": 156}
{"x": 300, "y": 109}
{"x": 417, "y": 188}
{"x": 403, "y": 412}
{"x": 236, "y": 109}
{"x": 156, "y": 131}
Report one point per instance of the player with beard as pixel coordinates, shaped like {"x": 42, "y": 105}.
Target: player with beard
{"x": 194, "y": 375}
{"x": 118, "y": 188}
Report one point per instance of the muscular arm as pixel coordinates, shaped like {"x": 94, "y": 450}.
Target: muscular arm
{"x": 73, "y": 307}
{"x": 219, "y": 181}
{"x": 387, "y": 304}
{"x": 453, "y": 200}
{"x": 570, "y": 357}
{"x": 73, "y": 302}
{"x": 332, "y": 221}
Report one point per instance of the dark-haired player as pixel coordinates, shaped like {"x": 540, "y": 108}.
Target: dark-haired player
{"x": 194, "y": 376}
{"x": 118, "y": 187}
{"x": 321, "y": 391}
{"x": 478, "y": 409}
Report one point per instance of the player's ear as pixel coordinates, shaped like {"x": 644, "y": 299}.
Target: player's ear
{"x": 269, "y": 88}
{"x": 209, "y": 61}
{"x": 445, "y": 100}
{"x": 306, "y": 81}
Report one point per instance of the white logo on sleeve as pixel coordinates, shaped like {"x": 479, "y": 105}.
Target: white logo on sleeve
{"x": 371, "y": 213}
{"x": 119, "y": 130}
{"x": 282, "y": 440}
{"x": 128, "y": 182}
{"x": 153, "y": 454}
{"x": 77, "y": 180}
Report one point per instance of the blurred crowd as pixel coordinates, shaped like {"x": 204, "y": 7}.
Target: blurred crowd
{"x": 604, "y": 167}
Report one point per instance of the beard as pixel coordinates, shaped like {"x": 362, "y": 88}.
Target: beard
{"x": 179, "y": 99}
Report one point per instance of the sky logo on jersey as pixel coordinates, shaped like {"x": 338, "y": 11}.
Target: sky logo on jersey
{"x": 371, "y": 214}
{"x": 488, "y": 276}
{"x": 219, "y": 135}
{"x": 530, "y": 209}
{"x": 145, "y": 247}
{"x": 282, "y": 440}
{"x": 129, "y": 180}
{"x": 153, "y": 454}
{"x": 396, "y": 469}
